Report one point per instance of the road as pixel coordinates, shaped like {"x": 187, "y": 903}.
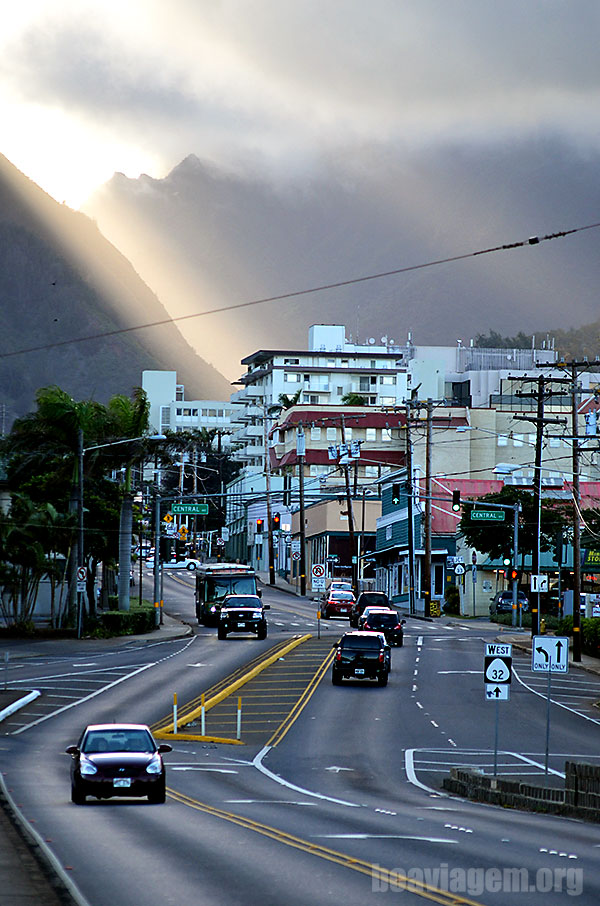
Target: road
{"x": 349, "y": 794}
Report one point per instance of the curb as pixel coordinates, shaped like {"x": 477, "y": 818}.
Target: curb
{"x": 20, "y": 703}
{"x": 41, "y": 851}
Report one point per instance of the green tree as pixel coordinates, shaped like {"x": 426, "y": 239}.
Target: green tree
{"x": 353, "y": 399}
{"x": 496, "y": 539}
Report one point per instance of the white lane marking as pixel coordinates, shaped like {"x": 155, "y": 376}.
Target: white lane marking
{"x": 337, "y": 770}
{"x": 592, "y": 720}
{"x": 409, "y": 767}
{"x": 267, "y": 802}
{"x": 420, "y": 641}
{"x": 460, "y": 672}
{"x": 292, "y": 786}
{"x": 81, "y": 700}
{"x": 204, "y": 768}
{"x": 382, "y": 837}
{"x": 434, "y": 724}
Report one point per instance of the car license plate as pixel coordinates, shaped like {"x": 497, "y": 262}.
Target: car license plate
{"x": 241, "y": 625}
{"x": 359, "y": 671}
{"x": 122, "y": 781}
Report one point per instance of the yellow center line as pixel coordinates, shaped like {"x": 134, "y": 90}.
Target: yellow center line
{"x": 331, "y": 855}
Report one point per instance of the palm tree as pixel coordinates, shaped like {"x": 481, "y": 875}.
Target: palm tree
{"x": 353, "y": 399}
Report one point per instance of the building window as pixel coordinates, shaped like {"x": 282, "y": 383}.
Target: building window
{"x": 179, "y": 412}
{"x": 340, "y": 391}
{"x": 555, "y": 441}
{"x": 371, "y": 434}
{"x": 290, "y": 377}
{"x": 518, "y": 440}
{"x": 291, "y": 361}
{"x": 388, "y": 379}
{"x": 315, "y": 433}
{"x": 179, "y": 392}
{"x": 331, "y": 433}
{"x": 386, "y": 435}
{"x": 212, "y": 413}
{"x": 502, "y": 440}
{"x": 195, "y": 412}
{"x": 348, "y": 433}
{"x": 371, "y": 472}
{"x": 388, "y": 400}
{"x": 187, "y": 411}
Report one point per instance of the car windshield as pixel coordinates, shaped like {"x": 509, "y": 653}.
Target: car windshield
{"x": 361, "y": 641}
{"x": 97, "y": 741}
{"x": 373, "y": 598}
{"x": 383, "y": 619}
{"x": 243, "y": 601}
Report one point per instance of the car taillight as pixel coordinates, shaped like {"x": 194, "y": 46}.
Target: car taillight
{"x": 338, "y": 655}
{"x": 398, "y": 626}
{"x": 381, "y": 657}
{"x": 366, "y": 626}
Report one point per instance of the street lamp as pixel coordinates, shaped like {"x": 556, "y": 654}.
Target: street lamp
{"x": 125, "y": 524}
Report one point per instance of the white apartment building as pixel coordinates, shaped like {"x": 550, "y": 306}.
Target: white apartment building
{"x": 170, "y": 411}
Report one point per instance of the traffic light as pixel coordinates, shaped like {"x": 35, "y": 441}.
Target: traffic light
{"x": 396, "y": 493}
{"x": 514, "y": 573}
{"x": 276, "y": 522}
{"x": 259, "y": 526}
{"x": 456, "y": 501}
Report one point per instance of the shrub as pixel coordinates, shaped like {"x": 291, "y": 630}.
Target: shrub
{"x": 451, "y": 600}
{"x": 136, "y": 621}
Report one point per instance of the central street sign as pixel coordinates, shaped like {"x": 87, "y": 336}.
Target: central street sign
{"x": 190, "y": 509}
{"x": 487, "y": 515}
{"x": 550, "y": 654}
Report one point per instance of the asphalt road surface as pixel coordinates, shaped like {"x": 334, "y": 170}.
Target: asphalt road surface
{"x": 347, "y": 807}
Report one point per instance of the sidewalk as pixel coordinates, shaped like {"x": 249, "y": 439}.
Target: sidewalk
{"x": 522, "y": 641}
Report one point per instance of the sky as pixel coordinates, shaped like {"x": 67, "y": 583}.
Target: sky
{"x": 93, "y": 87}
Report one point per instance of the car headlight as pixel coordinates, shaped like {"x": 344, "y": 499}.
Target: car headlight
{"x": 213, "y": 608}
{"x": 256, "y": 615}
{"x": 154, "y": 766}
{"x": 86, "y": 767}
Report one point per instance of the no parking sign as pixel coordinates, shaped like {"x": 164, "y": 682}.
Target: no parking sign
{"x": 318, "y": 577}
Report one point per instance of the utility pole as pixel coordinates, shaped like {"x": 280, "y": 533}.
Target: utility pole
{"x": 300, "y": 451}
{"x": 350, "y": 514}
{"x": 426, "y": 575}
{"x": 409, "y": 501}
{"x": 540, "y": 421}
{"x": 271, "y": 553}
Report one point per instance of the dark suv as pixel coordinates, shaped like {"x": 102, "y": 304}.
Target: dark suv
{"x": 502, "y": 603}
{"x": 361, "y": 655}
{"x": 386, "y": 621}
{"x": 243, "y": 613}
{"x": 367, "y": 599}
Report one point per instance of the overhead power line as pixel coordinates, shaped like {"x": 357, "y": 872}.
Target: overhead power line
{"x": 325, "y": 287}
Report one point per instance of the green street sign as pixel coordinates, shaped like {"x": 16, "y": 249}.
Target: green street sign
{"x": 487, "y": 515}
{"x": 190, "y": 509}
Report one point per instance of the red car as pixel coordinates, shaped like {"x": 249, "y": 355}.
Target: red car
{"x": 338, "y": 604}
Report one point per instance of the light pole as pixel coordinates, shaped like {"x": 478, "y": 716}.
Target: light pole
{"x": 125, "y": 523}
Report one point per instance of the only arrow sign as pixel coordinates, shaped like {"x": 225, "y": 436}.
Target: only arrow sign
{"x": 543, "y": 651}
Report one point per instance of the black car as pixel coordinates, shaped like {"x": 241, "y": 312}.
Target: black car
{"x": 243, "y": 613}
{"x": 386, "y": 621}
{"x": 361, "y": 655}
{"x": 117, "y": 760}
{"x": 503, "y": 601}
{"x": 367, "y": 599}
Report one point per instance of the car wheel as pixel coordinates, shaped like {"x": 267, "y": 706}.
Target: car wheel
{"x": 382, "y": 679}
{"x": 336, "y": 679}
{"x": 221, "y": 634}
{"x": 191, "y": 566}
{"x": 76, "y": 795}
{"x": 158, "y": 796}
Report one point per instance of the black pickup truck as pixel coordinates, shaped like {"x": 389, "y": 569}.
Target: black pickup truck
{"x": 361, "y": 655}
{"x": 242, "y": 613}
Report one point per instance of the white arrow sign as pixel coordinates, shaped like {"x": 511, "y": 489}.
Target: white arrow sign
{"x": 549, "y": 654}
